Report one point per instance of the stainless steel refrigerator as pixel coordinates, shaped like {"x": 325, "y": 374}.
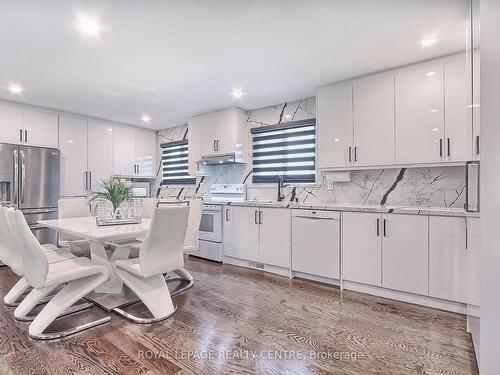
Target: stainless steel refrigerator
{"x": 29, "y": 179}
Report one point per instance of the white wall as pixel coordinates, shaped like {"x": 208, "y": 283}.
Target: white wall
{"x": 490, "y": 201}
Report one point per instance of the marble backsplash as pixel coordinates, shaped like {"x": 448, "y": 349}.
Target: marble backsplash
{"x": 435, "y": 187}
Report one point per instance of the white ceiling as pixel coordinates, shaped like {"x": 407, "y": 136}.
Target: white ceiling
{"x": 174, "y": 59}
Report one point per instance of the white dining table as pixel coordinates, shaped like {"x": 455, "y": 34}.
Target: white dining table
{"x": 122, "y": 235}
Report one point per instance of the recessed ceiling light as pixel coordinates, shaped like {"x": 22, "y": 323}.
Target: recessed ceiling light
{"x": 431, "y": 73}
{"x": 146, "y": 118}
{"x": 427, "y": 42}
{"x": 89, "y": 27}
{"x": 71, "y": 141}
{"x": 434, "y": 110}
{"x": 237, "y": 93}
{"x": 15, "y": 88}
{"x": 435, "y": 129}
{"x": 288, "y": 116}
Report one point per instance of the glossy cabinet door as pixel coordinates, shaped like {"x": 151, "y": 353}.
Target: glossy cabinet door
{"x": 454, "y": 259}
{"x": 145, "y": 152}
{"x": 246, "y": 233}
{"x": 420, "y": 129}
{"x": 334, "y": 127}
{"x": 100, "y": 154}
{"x": 124, "y": 162}
{"x": 275, "y": 236}
{"x": 194, "y": 146}
{"x": 458, "y": 117}
{"x": 374, "y": 121}
{"x": 476, "y": 106}
{"x": 11, "y": 124}
{"x": 208, "y": 124}
{"x": 362, "y": 247}
{"x": 405, "y": 253}
{"x": 41, "y": 129}
{"x": 74, "y": 179}
{"x": 228, "y": 243}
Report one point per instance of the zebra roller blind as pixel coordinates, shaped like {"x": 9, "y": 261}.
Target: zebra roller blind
{"x": 285, "y": 149}
{"x": 174, "y": 164}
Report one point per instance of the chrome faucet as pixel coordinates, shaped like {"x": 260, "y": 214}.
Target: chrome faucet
{"x": 281, "y": 185}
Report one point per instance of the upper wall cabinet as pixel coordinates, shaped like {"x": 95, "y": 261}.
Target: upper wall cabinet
{"x": 334, "y": 129}
{"x": 27, "y": 127}
{"x": 374, "y": 121}
{"x": 419, "y": 115}
{"x": 134, "y": 151}
{"x": 100, "y": 153}
{"x": 218, "y": 133}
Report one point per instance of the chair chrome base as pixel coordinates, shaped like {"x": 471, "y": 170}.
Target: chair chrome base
{"x": 17, "y": 303}
{"x": 169, "y": 278}
{"x": 142, "y": 320}
{"x": 71, "y": 331}
{"x": 69, "y": 311}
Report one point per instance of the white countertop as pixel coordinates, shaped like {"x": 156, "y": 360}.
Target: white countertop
{"x": 87, "y": 228}
{"x": 409, "y": 210}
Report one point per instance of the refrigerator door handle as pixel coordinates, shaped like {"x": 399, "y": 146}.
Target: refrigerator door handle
{"x": 16, "y": 177}
{"x": 23, "y": 178}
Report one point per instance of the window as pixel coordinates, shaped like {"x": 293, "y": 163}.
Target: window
{"x": 174, "y": 163}
{"x": 285, "y": 149}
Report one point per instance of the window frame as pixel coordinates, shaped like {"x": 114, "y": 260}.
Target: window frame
{"x": 313, "y": 180}
{"x": 189, "y": 180}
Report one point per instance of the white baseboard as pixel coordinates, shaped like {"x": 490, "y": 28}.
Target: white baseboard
{"x": 321, "y": 279}
{"x": 416, "y": 299}
{"x": 253, "y": 265}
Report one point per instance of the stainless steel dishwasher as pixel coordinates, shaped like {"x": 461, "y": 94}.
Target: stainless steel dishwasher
{"x": 316, "y": 243}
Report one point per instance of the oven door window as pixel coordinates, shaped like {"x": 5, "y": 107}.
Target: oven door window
{"x": 207, "y": 223}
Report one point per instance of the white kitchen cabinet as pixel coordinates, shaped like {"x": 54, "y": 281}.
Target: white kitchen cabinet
{"x": 124, "y": 150}
{"x": 454, "y": 259}
{"x": 228, "y": 239}
{"x": 40, "y": 129}
{"x": 145, "y": 152}
{"x": 374, "y": 121}
{"x": 420, "y": 131}
{"x": 405, "y": 253}
{"x": 100, "y": 153}
{"x": 316, "y": 243}
{"x": 458, "y": 119}
{"x": 476, "y": 108}
{"x": 194, "y": 146}
{"x": 11, "y": 124}
{"x": 361, "y": 247}
{"x": 223, "y": 132}
{"x": 73, "y": 145}
{"x": 245, "y": 224}
{"x": 334, "y": 129}
{"x": 275, "y": 236}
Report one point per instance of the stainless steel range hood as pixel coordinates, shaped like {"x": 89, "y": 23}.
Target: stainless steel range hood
{"x": 219, "y": 159}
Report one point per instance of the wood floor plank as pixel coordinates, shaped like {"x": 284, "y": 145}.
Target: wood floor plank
{"x": 249, "y": 322}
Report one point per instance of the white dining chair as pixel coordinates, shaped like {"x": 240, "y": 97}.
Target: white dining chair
{"x": 161, "y": 252}
{"x": 190, "y": 244}
{"x": 77, "y": 277}
{"x": 148, "y": 207}
{"x": 70, "y": 208}
{"x": 13, "y": 259}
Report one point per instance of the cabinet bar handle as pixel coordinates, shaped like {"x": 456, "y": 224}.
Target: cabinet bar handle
{"x": 477, "y": 144}
{"x": 449, "y": 145}
{"x": 350, "y": 158}
{"x": 378, "y": 227}
{"x": 355, "y": 153}
{"x": 385, "y": 232}
{"x": 260, "y": 217}
{"x": 90, "y": 180}
{"x": 86, "y": 187}
{"x": 440, "y": 147}
{"x": 20, "y": 135}
{"x": 227, "y": 214}
{"x": 255, "y": 217}
{"x": 25, "y": 135}
{"x": 215, "y": 142}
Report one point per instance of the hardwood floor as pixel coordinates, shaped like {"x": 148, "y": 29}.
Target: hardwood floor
{"x": 242, "y": 321}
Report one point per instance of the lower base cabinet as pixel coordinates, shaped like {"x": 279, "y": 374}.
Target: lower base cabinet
{"x": 454, "y": 259}
{"x": 256, "y": 234}
{"x": 362, "y": 248}
{"x": 405, "y": 253}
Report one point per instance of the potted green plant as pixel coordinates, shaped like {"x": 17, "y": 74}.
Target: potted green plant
{"x": 114, "y": 190}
